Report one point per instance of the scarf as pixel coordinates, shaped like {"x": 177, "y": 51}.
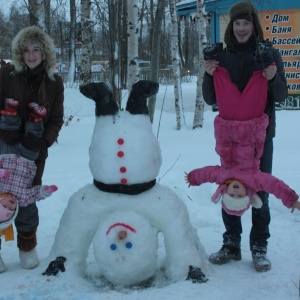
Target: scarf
{"x": 239, "y": 60}
{"x": 133, "y": 189}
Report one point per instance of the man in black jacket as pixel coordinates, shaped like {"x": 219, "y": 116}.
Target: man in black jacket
{"x": 243, "y": 36}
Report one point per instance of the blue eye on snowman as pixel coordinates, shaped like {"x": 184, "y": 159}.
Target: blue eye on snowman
{"x": 128, "y": 245}
{"x": 125, "y": 159}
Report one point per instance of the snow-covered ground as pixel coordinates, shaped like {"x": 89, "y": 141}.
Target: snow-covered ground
{"x": 182, "y": 151}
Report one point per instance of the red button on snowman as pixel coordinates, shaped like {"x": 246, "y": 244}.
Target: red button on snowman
{"x": 127, "y": 207}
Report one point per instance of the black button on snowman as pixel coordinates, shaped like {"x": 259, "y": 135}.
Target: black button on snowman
{"x": 127, "y": 208}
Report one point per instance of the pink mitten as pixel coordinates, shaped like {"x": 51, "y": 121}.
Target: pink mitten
{"x": 4, "y": 174}
{"x": 47, "y": 190}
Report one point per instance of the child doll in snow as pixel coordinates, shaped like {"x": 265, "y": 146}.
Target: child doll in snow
{"x": 240, "y": 131}
{"x": 17, "y": 162}
{"x": 8, "y": 211}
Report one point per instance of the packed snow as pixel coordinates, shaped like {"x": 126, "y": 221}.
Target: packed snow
{"x": 68, "y": 167}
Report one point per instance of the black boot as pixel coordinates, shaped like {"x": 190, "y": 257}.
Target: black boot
{"x": 226, "y": 254}
{"x": 260, "y": 261}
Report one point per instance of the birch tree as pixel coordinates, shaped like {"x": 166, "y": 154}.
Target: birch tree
{"x": 176, "y": 65}
{"x": 133, "y": 35}
{"x": 199, "y": 106}
{"x": 114, "y": 17}
{"x": 123, "y": 42}
{"x": 72, "y": 39}
{"x": 156, "y": 46}
{"x": 87, "y": 41}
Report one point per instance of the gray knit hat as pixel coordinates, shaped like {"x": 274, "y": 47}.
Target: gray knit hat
{"x": 243, "y": 10}
{"x": 33, "y": 35}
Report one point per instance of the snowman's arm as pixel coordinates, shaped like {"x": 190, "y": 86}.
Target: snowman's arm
{"x": 183, "y": 247}
{"x": 76, "y": 230}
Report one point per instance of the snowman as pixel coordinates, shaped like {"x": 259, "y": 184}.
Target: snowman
{"x": 126, "y": 207}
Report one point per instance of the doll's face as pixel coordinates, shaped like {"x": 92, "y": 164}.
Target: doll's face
{"x": 242, "y": 30}
{"x": 9, "y": 202}
{"x": 236, "y": 189}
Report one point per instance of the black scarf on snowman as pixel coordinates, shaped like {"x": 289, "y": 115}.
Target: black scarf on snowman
{"x": 132, "y": 189}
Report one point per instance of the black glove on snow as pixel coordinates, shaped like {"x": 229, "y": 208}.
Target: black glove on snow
{"x": 32, "y": 142}
{"x": 10, "y": 137}
{"x": 196, "y": 275}
{"x": 55, "y": 266}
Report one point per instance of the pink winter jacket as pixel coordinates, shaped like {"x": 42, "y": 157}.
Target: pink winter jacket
{"x": 19, "y": 181}
{"x": 240, "y": 146}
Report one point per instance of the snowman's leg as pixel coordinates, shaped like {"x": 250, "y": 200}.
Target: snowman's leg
{"x": 77, "y": 228}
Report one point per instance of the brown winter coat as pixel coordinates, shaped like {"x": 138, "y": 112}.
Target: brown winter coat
{"x": 20, "y": 87}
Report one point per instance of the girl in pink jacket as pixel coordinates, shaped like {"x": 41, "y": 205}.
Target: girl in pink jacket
{"x": 240, "y": 131}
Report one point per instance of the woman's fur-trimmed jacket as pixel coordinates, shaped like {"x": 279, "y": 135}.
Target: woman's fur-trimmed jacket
{"x": 22, "y": 87}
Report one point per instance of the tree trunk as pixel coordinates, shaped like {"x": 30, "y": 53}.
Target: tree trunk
{"x": 133, "y": 35}
{"x": 114, "y": 44}
{"x": 155, "y": 54}
{"x": 199, "y": 106}
{"x": 186, "y": 43}
{"x": 176, "y": 66}
{"x": 87, "y": 41}
{"x": 72, "y": 60}
{"x": 47, "y": 16}
{"x": 141, "y": 26}
{"x": 123, "y": 42}
{"x": 151, "y": 24}
{"x": 33, "y": 12}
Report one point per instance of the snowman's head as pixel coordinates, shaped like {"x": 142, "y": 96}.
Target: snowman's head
{"x": 125, "y": 156}
{"x": 125, "y": 248}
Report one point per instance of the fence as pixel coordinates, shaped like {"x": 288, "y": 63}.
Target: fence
{"x": 165, "y": 76}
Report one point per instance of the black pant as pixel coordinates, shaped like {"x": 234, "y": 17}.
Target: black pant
{"x": 260, "y": 217}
